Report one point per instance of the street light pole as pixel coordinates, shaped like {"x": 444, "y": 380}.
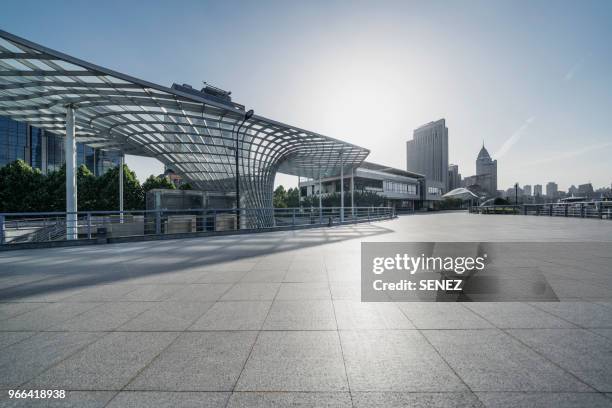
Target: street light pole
{"x": 247, "y": 116}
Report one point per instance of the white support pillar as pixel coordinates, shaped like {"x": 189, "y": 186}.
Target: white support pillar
{"x": 71, "y": 185}
{"x": 121, "y": 161}
{"x": 341, "y": 188}
{"x": 299, "y": 193}
{"x": 320, "y": 193}
{"x": 352, "y": 192}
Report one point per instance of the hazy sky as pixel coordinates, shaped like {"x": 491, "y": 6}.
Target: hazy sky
{"x": 533, "y": 79}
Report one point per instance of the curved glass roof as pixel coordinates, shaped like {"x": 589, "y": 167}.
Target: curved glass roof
{"x": 193, "y": 134}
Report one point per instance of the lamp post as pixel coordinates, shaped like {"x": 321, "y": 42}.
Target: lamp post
{"x": 247, "y": 116}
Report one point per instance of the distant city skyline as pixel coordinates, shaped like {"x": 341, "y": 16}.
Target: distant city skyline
{"x": 533, "y": 81}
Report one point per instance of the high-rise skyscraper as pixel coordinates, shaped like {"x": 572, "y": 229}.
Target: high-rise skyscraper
{"x": 427, "y": 154}
{"x": 537, "y": 190}
{"x": 454, "y": 177}
{"x": 527, "y": 190}
{"x": 487, "y": 166}
{"x": 551, "y": 189}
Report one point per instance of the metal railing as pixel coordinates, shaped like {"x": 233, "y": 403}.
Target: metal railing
{"x": 18, "y": 228}
{"x": 588, "y": 209}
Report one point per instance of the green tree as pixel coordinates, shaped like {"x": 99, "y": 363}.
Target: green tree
{"x": 279, "y": 198}
{"x": 108, "y": 191}
{"x": 157, "y": 182}
{"x": 293, "y": 197}
{"x": 21, "y": 188}
{"x": 185, "y": 186}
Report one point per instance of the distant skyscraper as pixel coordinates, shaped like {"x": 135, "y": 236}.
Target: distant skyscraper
{"x": 537, "y": 190}
{"x": 486, "y": 165}
{"x": 585, "y": 190}
{"x": 454, "y": 177}
{"x": 551, "y": 189}
{"x": 527, "y": 190}
{"x": 427, "y": 154}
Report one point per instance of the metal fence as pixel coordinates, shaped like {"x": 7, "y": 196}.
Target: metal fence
{"x": 590, "y": 209}
{"x": 18, "y": 228}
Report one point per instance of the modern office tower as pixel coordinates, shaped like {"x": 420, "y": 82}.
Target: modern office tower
{"x": 487, "y": 166}
{"x": 537, "y": 190}
{"x": 427, "y": 154}
{"x": 527, "y": 190}
{"x": 454, "y": 177}
{"x": 586, "y": 190}
{"x": 551, "y": 189}
{"x": 44, "y": 150}
{"x": 572, "y": 191}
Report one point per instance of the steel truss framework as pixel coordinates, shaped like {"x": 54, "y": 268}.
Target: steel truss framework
{"x": 194, "y": 135}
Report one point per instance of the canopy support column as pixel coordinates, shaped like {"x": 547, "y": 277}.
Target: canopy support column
{"x": 121, "y": 161}
{"x": 71, "y": 185}
{"x": 352, "y": 192}
{"x": 341, "y": 188}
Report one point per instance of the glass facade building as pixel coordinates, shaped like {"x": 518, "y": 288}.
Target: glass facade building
{"x": 44, "y": 150}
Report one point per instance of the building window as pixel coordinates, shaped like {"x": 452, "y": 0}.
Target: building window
{"x": 434, "y": 191}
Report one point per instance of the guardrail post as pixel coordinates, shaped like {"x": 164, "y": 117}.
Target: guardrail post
{"x": 320, "y": 215}
{"x": 600, "y": 211}
{"x": 550, "y": 210}
{"x": 157, "y": 222}
{"x": 565, "y": 210}
{"x": 88, "y": 225}
{"x": 293, "y": 218}
{"x": 524, "y": 209}
{"x": 368, "y": 214}
{"x": 2, "y": 230}
{"x": 581, "y": 210}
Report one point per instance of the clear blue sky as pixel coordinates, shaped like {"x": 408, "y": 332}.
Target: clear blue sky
{"x": 533, "y": 79}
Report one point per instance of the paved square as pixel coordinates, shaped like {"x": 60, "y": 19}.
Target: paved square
{"x": 275, "y": 319}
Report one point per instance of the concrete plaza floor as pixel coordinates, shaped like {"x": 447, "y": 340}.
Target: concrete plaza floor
{"x": 275, "y": 319}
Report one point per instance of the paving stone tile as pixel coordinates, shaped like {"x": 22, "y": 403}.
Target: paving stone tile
{"x": 8, "y": 310}
{"x": 301, "y": 315}
{"x": 544, "y": 400}
{"x": 304, "y": 291}
{"x": 317, "y": 274}
{"x": 147, "y": 399}
{"x": 150, "y": 293}
{"x": 264, "y": 275}
{"x": 584, "y": 354}
{"x": 353, "y": 315}
{"x": 252, "y": 291}
{"x": 398, "y": 360}
{"x": 9, "y": 338}
{"x": 415, "y": 400}
{"x": 241, "y": 315}
{"x": 295, "y": 361}
{"x": 200, "y": 292}
{"x": 198, "y": 361}
{"x": 603, "y": 332}
{"x": 46, "y": 316}
{"x": 101, "y": 293}
{"x": 516, "y": 315}
{"x": 490, "y": 360}
{"x": 28, "y": 358}
{"x": 221, "y": 276}
{"x": 290, "y": 399}
{"x": 105, "y": 317}
{"x": 584, "y": 314}
{"x": 167, "y": 316}
{"x": 444, "y": 315}
{"x": 107, "y": 364}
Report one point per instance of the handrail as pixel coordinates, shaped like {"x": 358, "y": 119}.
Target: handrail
{"x": 582, "y": 209}
{"x": 27, "y": 227}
